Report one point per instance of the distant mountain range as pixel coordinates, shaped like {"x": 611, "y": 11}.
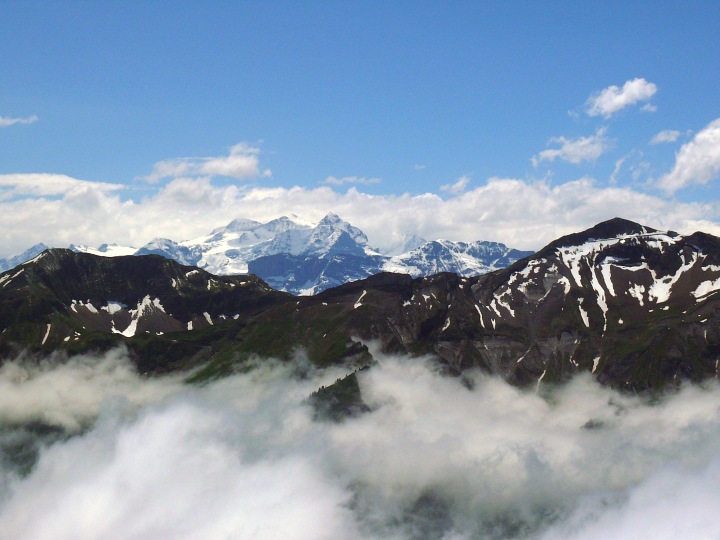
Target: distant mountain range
{"x": 635, "y": 307}
{"x": 305, "y": 259}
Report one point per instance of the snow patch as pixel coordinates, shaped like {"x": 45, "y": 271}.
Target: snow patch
{"x": 583, "y": 313}
{"x": 47, "y": 333}
{"x": 147, "y": 304}
{"x": 446, "y": 326}
{"x": 637, "y": 291}
{"x": 359, "y": 300}
{"x": 661, "y": 289}
{"x": 113, "y": 307}
{"x": 482, "y": 323}
{"x": 705, "y": 288}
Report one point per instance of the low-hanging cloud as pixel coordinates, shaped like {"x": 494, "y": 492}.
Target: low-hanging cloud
{"x": 69, "y": 393}
{"x": 522, "y": 214}
{"x": 437, "y": 457}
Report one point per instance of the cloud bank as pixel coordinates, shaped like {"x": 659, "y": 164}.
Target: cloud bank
{"x": 437, "y": 457}
{"x": 522, "y": 214}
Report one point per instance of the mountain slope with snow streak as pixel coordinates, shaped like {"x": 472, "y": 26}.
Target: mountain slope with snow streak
{"x": 636, "y": 308}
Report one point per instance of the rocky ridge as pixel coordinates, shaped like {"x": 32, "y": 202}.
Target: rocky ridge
{"x": 634, "y": 307}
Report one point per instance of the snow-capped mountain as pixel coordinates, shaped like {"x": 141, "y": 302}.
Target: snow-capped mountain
{"x": 634, "y": 307}
{"x": 461, "y": 258}
{"x": 302, "y": 258}
{"x": 30, "y": 253}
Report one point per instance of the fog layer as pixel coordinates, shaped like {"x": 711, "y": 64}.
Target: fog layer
{"x": 437, "y": 457}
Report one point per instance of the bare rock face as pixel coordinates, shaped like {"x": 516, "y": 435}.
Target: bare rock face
{"x": 636, "y": 307}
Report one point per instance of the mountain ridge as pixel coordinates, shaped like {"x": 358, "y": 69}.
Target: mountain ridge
{"x": 638, "y": 311}
{"x": 327, "y": 254}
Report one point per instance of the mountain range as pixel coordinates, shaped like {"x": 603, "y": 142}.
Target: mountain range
{"x": 636, "y": 308}
{"x": 304, "y": 259}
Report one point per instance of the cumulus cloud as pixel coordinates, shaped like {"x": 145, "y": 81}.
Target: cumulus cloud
{"x": 457, "y": 187}
{"x": 666, "y": 136}
{"x": 575, "y": 150}
{"x": 697, "y": 162}
{"x": 522, "y": 214}
{"x": 345, "y": 180}
{"x": 6, "y": 121}
{"x": 613, "y": 99}
{"x": 437, "y": 457}
{"x": 241, "y": 163}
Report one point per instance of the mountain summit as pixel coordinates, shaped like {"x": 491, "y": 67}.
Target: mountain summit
{"x": 305, "y": 259}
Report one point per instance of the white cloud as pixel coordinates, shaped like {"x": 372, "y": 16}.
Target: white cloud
{"x": 613, "y": 99}
{"x": 457, "y": 187}
{"x": 420, "y": 167}
{"x": 70, "y": 393}
{"x": 49, "y": 184}
{"x": 575, "y": 150}
{"x": 667, "y": 136}
{"x": 241, "y": 163}
{"x": 697, "y": 162}
{"x": 649, "y": 107}
{"x": 243, "y": 458}
{"x": 616, "y": 171}
{"x": 522, "y": 214}
{"x": 345, "y": 180}
{"x": 6, "y": 121}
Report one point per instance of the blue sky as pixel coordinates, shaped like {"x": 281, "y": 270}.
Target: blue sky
{"x": 368, "y": 109}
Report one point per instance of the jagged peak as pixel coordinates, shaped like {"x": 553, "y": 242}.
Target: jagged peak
{"x": 331, "y": 219}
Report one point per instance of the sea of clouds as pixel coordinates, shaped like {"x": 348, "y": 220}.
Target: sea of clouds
{"x": 89, "y": 449}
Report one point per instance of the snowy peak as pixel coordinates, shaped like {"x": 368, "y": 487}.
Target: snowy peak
{"x": 170, "y": 250}
{"x": 616, "y": 279}
{"x": 331, "y": 219}
{"x": 31, "y": 253}
{"x": 304, "y": 259}
{"x": 458, "y": 257}
{"x": 612, "y": 228}
{"x": 333, "y": 234}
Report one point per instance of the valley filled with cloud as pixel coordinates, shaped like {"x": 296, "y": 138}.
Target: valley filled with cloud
{"x": 436, "y": 457}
